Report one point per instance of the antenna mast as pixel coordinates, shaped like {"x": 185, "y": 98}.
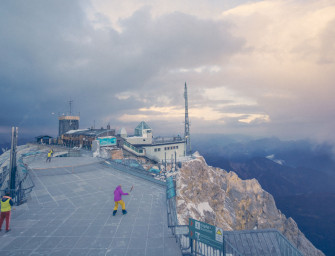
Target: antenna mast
{"x": 70, "y": 102}
{"x": 187, "y": 125}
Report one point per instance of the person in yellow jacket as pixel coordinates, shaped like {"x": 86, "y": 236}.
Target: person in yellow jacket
{"x": 6, "y": 207}
{"x": 49, "y": 156}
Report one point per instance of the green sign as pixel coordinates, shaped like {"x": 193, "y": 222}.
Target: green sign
{"x": 205, "y": 233}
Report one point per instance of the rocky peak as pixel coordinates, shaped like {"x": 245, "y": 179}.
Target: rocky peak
{"x": 222, "y": 199}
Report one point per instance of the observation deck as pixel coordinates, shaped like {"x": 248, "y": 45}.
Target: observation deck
{"x": 69, "y": 212}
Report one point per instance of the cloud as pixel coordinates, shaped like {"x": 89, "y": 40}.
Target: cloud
{"x": 260, "y": 67}
{"x": 54, "y": 53}
{"x": 287, "y": 69}
{"x": 210, "y": 69}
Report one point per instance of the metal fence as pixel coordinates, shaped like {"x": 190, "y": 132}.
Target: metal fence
{"x": 261, "y": 242}
{"x": 202, "y": 249}
{"x": 130, "y": 167}
{"x": 23, "y": 184}
{"x": 179, "y": 231}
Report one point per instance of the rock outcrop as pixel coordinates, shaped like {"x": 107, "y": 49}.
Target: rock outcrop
{"x": 222, "y": 199}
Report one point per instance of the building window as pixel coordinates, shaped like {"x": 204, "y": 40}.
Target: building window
{"x": 159, "y": 149}
{"x": 176, "y": 147}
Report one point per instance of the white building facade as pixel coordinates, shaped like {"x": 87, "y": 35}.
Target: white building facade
{"x": 170, "y": 151}
{"x": 158, "y": 149}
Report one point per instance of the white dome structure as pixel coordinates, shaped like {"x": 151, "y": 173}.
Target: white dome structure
{"x": 123, "y": 133}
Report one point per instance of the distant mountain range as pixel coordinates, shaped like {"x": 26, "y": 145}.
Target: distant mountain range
{"x": 5, "y": 141}
{"x": 299, "y": 174}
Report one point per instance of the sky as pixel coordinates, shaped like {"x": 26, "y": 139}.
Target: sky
{"x": 259, "y": 68}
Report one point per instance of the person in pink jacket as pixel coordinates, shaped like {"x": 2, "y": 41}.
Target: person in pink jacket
{"x": 118, "y": 200}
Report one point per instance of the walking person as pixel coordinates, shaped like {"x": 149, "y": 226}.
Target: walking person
{"x": 118, "y": 200}
{"x": 6, "y": 207}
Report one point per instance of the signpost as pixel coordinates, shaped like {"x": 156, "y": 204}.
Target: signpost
{"x": 181, "y": 230}
{"x": 206, "y": 233}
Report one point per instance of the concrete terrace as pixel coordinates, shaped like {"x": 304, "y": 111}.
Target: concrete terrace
{"x": 69, "y": 212}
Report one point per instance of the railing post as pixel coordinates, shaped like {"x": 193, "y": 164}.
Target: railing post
{"x": 223, "y": 246}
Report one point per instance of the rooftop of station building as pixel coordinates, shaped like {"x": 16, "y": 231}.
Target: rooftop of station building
{"x": 69, "y": 118}
{"x": 167, "y": 140}
{"x": 89, "y": 132}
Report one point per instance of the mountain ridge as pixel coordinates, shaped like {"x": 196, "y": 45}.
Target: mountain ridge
{"x": 221, "y": 198}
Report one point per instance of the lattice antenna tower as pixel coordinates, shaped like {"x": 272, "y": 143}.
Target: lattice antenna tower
{"x": 187, "y": 125}
{"x": 70, "y": 103}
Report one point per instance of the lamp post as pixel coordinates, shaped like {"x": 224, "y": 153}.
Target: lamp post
{"x": 12, "y": 166}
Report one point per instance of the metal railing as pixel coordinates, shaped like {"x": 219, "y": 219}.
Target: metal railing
{"x": 24, "y": 183}
{"x": 182, "y": 238}
{"x": 261, "y": 242}
{"x": 131, "y": 168}
{"x": 133, "y": 149}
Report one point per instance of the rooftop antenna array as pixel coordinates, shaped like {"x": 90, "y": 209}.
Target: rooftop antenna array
{"x": 187, "y": 125}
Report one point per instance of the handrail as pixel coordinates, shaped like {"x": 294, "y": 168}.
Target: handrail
{"x": 133, "y": 148}
{"x": 296, "y": 252}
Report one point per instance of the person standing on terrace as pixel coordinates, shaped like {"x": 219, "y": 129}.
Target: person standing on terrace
{"x": 6, "y": 207}
{"x": 118, "y": 200}
{"x": 49, "y": 156}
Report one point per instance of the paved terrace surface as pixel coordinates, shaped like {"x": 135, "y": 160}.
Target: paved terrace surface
{"x": 69, "y": 212}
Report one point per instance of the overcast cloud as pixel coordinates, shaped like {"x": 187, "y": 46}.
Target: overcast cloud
{"x": 263, "y": 68}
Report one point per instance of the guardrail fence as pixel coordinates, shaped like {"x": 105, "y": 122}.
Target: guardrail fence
{"x": 23, "y": 184}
